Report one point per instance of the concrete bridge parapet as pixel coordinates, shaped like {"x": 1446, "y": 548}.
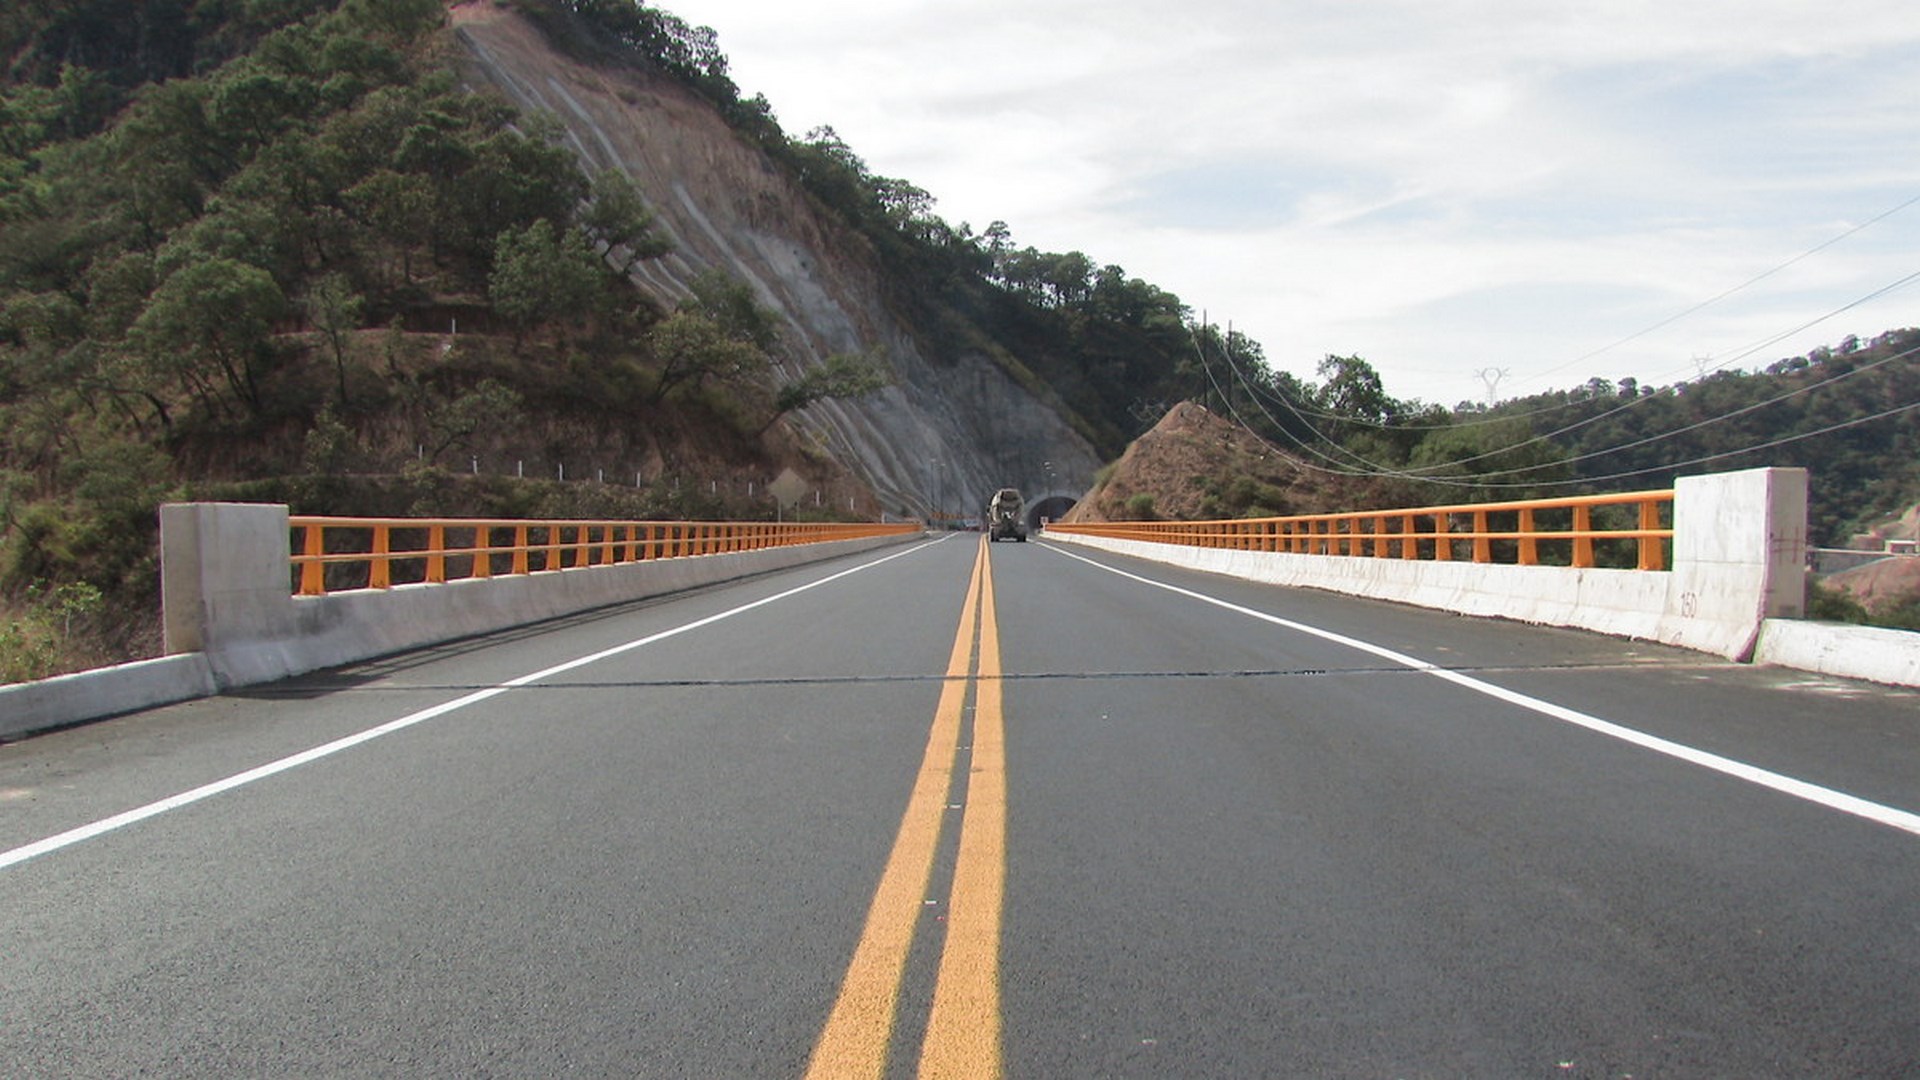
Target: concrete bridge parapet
{"x": 1739, "y": 553}
{"x": 226, "y": 591}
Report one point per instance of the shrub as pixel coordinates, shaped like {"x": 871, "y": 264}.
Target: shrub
{"x": 38, "y": 640}
{"x": 1833, "y": 605}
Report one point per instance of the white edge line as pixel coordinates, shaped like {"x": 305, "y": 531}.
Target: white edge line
{"x": 1800, "y": 789}
{"x": 241, "y": 779}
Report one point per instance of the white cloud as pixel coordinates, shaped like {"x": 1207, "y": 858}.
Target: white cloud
{"x": 1439, "y": 185}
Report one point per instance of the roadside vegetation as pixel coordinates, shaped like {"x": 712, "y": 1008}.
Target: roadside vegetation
{"x": 278, "y": 250}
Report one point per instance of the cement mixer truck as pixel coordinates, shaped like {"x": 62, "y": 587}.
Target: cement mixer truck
{"x": 1007, "y": 516}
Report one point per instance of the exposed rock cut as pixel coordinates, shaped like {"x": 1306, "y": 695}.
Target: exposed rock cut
{"x": 945, "y": 436}
{"x": 1187, "y": 468}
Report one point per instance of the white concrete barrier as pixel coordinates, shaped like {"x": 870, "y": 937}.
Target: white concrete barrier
{"x": 226, "y": 587}
{"x": 1873, "y": 653}
{"x": 231, "y": 620}
{"x": 90, "y": 695}
{"x": 1738, "y": 556}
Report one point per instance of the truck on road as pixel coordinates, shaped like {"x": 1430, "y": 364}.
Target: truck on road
{"x": 1007, "y": 516}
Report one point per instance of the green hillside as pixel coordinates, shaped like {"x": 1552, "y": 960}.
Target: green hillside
{"x": 277, "y": 249}
{"x": 1849, "y": 415}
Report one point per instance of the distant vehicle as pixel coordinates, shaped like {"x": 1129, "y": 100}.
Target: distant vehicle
{"x": 1007, "y": 516}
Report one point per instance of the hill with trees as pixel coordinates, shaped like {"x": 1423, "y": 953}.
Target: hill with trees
{"x": 1850, "y": 415}
{"x": 296, "y": 251}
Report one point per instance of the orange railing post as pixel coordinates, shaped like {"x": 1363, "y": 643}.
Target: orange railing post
{"x": 1583, "y": 535}
{"x": 379, "y": 570}
{"x": 313, "y": 575}
{"x": 1652, "y": 546}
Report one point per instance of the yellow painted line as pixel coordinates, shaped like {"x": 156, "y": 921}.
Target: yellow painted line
{"x": 860, "y": 1027}
{"x": 963, "y": 1031}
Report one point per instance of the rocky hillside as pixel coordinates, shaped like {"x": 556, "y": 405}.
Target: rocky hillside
{"x": 947, "y": 432}
{"x": 1194, "y": 465}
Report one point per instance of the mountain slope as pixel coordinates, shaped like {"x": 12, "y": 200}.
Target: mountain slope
{"x": 948, "y": 431}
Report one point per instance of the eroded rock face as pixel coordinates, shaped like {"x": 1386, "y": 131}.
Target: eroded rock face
{"x": 944, "y": 436}
{"x": 1170, "y": 468}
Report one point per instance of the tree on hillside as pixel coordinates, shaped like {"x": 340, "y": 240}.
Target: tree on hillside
{"x": 211, "y": 321}
{"x": 906, "y": 207}
{"x": 719, "y": 332}
{"x": 833, "y": 172}
{"x": 541, "y": 275}
{"x": 1351, "y": 387}
{"x": 490, "y": 406}
{"x": 336, "y": 311}
{"x": 690, "y": 348}
{"x": 618, "y": 218}
{"x": 520, "y": 172}
{"x": 1504, "y": 448}
{"x": 398, "y": 208}
{"x": 729, "y": 303}
{"x": 401, "y": 19}
{"x": 844, "y": 375}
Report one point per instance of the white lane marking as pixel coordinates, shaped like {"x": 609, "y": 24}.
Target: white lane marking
{"x": 305, "y": 757}
{"x": 1800, "y": 789}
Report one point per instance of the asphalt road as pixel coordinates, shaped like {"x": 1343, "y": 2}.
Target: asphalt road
{"x": 903, "y": 814}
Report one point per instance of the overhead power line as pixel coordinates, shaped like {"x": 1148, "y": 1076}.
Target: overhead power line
{"x": 1738, "y": 355}
{"x": 1490, "y": 478}
{"x": 1368, "y": 467}
{"x": 1716, "y": 298}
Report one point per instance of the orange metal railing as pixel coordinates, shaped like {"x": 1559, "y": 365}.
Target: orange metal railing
{"x": 401, "y": 550}
{"x": 1481, "y": 532}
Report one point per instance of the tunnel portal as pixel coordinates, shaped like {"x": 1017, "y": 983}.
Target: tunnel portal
{"x": 1050, "y": 508}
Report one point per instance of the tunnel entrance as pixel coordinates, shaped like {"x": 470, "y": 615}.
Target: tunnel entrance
{"x": 1051, "y": 508}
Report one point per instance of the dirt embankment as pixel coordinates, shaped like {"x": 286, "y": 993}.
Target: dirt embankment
{"x": 1193, "y": 465}
{"x": 1887, "y": 581}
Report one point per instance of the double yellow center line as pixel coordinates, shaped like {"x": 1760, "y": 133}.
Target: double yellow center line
{"x": 963, "y": 1027}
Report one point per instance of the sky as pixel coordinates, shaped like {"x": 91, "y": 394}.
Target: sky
{"x": 1477, "y": 196}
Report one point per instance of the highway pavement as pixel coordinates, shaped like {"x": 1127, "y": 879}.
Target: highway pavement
{"x": 964, "y": 809}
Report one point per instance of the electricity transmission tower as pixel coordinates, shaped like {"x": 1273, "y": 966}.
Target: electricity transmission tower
{"x": 1492, "y": 377}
